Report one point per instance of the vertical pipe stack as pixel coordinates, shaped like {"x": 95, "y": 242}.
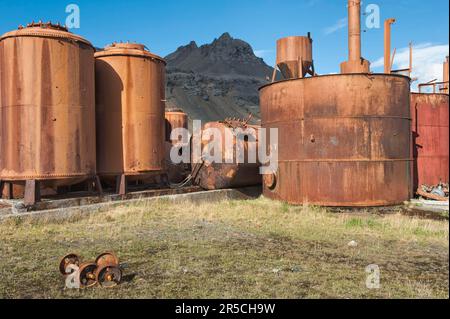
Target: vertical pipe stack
{"x": 355, "y": 63}
{"x": 387, "y": 45}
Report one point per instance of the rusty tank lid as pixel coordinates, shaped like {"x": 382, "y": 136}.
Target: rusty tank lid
{"x": 336, "y": 75}
{"x": 128, "y": 49}
{"x": 45, "y": 30}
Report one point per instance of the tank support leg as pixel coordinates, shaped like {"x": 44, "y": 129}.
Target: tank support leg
{"x": 6, "y": 190}
{"x": 32, "y": 192}
{"x": 121, "y": 185}
{"x": 98, "y": 185}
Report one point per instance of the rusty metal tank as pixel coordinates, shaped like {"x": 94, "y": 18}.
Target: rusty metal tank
{"x": 130, "y": 103}
{"x": 47, "y": 115}
{"x": 344, "y": 140}
{"x": 294, "y": 57}
{"x": 430, "y": 129}
{"x": 175, "y": 118}
{"x": 231, "y": 172}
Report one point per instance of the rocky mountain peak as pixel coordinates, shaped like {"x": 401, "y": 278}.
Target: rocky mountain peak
{"x": 223, "y": 56}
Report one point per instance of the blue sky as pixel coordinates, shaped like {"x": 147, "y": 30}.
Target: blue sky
{"x": 165, "y": 25}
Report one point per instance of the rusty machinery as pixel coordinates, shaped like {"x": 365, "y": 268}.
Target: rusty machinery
{"x": 344, "y": 140}
{"x": 104, "y": 271}
{"x": 230, "y": 173}
{"x": 175, "y": 119}
{"x": 130, "y": 103}
{"x": 47, "y": 111}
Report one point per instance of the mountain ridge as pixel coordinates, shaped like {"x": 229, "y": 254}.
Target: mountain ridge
{"x": 216, "y": 80}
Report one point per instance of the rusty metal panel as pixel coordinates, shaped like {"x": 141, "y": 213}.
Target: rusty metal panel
{"x": 47, "y": 116}
{"x": 430, "y": 132}
{"x": 130, "y": 95}
{"x": 229, "y": 173}
{"x": 344, "y": 140}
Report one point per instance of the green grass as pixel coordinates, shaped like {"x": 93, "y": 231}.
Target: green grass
{"x": 233, "y": 249}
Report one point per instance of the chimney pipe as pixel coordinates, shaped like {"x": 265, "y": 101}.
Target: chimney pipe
{"x": 355, "y": 63}
{"x": 446, "y": 85}
{"x": 387, "y": 45}
{"x": 354, "y": 30}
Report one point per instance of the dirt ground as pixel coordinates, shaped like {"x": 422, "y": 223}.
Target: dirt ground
{"x": 234, "y": 249}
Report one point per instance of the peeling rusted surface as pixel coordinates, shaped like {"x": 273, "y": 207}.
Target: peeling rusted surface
{"x": 430, "y": 132}
{"x": 47, "y": 120}
{"x": 229, "y": 173}
{"x": 344, "y": 140}
{"x": 130, "y": 94}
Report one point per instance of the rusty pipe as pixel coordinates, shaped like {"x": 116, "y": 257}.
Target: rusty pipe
{"x": 446, "y": 85}
{"x": 354, "y": 30}
{"x": 387, "y": 45}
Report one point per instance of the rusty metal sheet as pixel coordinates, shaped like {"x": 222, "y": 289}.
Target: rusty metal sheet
{"x": 47, "y": 116}
{"x": 430, "y": 133}
{"x": 344, "y": 140}
{"x": 130, "y": 95}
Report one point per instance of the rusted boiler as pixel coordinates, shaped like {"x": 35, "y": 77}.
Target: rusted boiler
{"x": 430, "y": 129}
{"x": 175, "y": 119}
{"x": 343, "y": 140}
{"x": 130, "y": 102}
{"x": 231, "y": 171}
{"x": 47, "y": 116}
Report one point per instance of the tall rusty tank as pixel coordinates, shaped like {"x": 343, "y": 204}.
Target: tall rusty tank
{"x": 231, "y": 172}
{"x": 430, "y": 129}
{"x": 175, "y": 118}
{"x": 130, "y": 103}
{"x": 47, "y": 115}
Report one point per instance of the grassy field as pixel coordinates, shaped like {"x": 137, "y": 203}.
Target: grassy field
{"x": 235, "y": 249}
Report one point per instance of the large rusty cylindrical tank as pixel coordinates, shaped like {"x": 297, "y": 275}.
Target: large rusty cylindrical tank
{"x": 343, "y": 140}
{"x": 175, "y": 119}
{"x": 294, "y": 56}
{"x": 130, "y": 103}
{"x": 430, "y": 131}
{"x": 47, "y": 114}
{"x": 231, "y": 172}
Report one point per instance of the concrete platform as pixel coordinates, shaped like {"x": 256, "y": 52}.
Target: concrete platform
{"x": 80, "y": 204}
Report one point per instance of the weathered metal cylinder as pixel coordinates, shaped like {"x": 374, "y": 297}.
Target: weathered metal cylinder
{"x": 344, "y": 140}
{"x": 430, "y": 129}
{"x": 130, "y": 93}
{"x": 47, "y": 106}
{"x": 231, "y": 172}
{"x": 175, "y": 119}
{"x": 294, "y": 56}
